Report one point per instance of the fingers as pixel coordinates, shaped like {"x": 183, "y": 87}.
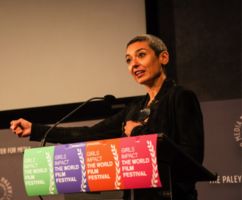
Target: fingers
{"x": 130, "y": 126}
{"x": 16, "y": 123}
{"x": 18, "y": 131}
{"x": 21, "y": 127}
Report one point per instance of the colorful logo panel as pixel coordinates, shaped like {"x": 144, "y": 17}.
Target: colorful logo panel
{"x": 38, "y": 171}
{"x": 69, "y": 168}
{"x": 138, "y": 162}
{"x": 103, "y": 165}
{"x": 114, "y": 164}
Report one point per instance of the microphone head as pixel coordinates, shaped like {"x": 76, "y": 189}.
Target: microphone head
{"x": 109, "y": 98}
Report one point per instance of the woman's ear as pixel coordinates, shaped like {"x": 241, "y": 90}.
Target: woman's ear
{"x": 164, "y": 57}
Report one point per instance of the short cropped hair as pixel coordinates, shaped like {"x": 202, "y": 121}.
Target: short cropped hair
{"x": 154, "y": 42}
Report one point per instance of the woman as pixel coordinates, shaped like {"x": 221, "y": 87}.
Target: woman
{"x": 168, "y": 109}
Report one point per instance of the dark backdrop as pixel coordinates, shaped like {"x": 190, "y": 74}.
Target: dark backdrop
{"x": 204, "y": 41}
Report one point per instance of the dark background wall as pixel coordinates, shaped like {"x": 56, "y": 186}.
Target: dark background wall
{"x": 204, "y": 41}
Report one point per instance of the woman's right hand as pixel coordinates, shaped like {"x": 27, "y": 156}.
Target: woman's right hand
{"x": 21, "y": 127}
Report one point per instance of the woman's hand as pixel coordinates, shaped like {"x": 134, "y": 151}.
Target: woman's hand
{"x": 130, "y": 126}
{"x": 21, "y": 127}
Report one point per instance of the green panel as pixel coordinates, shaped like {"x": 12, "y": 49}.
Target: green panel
{"x": 39, "y": 172}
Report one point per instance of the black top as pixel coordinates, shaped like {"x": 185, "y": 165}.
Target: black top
{"x": 176, "y": 113}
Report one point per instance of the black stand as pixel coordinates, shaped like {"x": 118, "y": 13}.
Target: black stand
{"x": 175, "y": 167}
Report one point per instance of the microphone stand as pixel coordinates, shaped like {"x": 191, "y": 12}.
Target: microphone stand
{"x": 43, "y": 141}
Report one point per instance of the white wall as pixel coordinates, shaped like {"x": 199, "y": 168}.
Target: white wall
{"x": 65, "y": 51}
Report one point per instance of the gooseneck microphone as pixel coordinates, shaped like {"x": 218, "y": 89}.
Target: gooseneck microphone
{"x": 108, "y": 98}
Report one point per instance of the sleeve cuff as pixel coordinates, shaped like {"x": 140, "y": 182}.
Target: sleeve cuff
{"x": 137, "y": 130}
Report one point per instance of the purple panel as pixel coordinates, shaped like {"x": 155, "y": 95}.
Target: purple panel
{"x": 69, "y": 168}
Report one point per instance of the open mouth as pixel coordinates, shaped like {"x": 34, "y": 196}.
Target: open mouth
{"x": 139, "y": 73}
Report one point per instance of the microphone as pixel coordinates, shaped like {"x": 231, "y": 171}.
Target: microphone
{"x": 108, "y": 98}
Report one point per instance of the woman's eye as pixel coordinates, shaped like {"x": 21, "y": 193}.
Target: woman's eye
{"x": 141, "y": 55}
{"x": 128, "y": 60}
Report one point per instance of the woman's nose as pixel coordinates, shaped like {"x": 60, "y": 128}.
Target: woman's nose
{"x": 134, "y": 63}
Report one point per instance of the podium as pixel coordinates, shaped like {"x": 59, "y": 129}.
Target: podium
{"x": 175, "y": 166}
{"x": 140, "y": 167}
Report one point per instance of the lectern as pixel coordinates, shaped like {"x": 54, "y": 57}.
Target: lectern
{"x": 175, "y": 167}
{"x": 140, "y": 167}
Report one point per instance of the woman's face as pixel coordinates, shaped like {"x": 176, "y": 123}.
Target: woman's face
{"x": 143, "y": 64}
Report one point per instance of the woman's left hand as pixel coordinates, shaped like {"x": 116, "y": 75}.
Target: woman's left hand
{"x": 130, "y": 126}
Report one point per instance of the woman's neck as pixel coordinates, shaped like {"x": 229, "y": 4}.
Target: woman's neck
{"x": 155, "y": 87}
